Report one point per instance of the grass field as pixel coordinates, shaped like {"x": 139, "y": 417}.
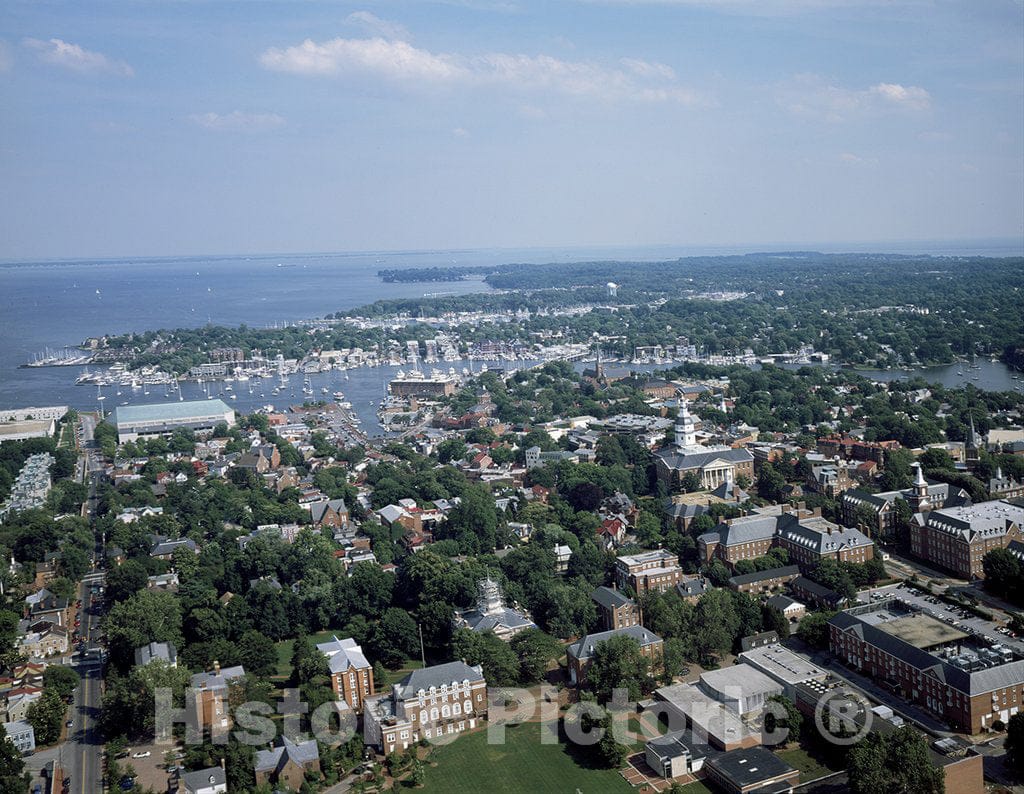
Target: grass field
{"x": 522, "y": 764}
{"x": 696, "y": 788}
{"x": 810, "y": 768}
{"x": 284, "y": 650}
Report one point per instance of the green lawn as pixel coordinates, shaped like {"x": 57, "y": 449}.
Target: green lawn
{"x": 522, "y": 764}
{"x": 284, "y": 650}
{"x": 696, "y": 788}
{"x": 810, "y": 768}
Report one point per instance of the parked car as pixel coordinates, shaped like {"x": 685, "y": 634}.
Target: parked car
{"x": 145, "y": 754}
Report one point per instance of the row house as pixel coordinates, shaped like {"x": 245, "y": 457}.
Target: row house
{"x": 850, "y": 448}
{"x": 763, "y": 581}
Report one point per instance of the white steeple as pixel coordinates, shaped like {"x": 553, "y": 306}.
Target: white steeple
{"x": 686, "y": 429}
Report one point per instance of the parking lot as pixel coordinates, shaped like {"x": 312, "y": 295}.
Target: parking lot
{"x": 939, "y": 609}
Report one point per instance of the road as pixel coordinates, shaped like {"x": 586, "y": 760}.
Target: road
{"x": 82, "y": 754}
{"x": 939, "y": 609}
{"x": 83, "y": 751}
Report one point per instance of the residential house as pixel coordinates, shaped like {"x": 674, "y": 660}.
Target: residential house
{"x": 287, "y": 764}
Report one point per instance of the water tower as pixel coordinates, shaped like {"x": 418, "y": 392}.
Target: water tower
{"x": 613, "y": 289}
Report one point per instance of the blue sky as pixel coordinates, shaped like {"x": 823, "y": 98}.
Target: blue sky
{"x": 162, "y": 128}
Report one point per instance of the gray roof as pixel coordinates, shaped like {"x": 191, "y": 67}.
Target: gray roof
{"x": 610, "y": 599}
{"x": 584, "y": 648}
{"x": 673, "y": 745}
{"x": 977, "y": 683}
{"x": 165, "y": 412}
{"x": 507, "y": 618}
{"x": 215, "y": 681}
{"x": 301, "y": 753}
{"x": 204, "y": 778}
{"x": 697, "y": 586}
{"x": 343, "y": 654}
{"x": 781, "y": 602}
{"x": 684, "y": 461}
{"x": 317, "y": 509}
{"x": 436, "y": 676}
{"x": 156, "y": 650}
{"x": 757, "y": 576}
{"x": 745, "y": 768}
{"x": 815, "y": 589}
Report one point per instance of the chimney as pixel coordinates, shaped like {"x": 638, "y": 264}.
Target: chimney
{"x": 216, "y": 667}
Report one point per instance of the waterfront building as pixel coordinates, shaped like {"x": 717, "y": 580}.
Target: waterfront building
{"x": 160, "y": 419}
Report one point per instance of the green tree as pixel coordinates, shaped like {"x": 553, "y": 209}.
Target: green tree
{"x": 395, "y": 638}
{"x": 618, "y": 663}
{"x": 46, "y": 716}
{"x": 1015, "y": 744}
{"x": 125, "y": 580}
{"x": 60, "y": 679}
{"x": 791, "y": 720}
{"x": 898, "y": 761}
{"x": 13, "y": 777}
{"x": 535, "y": 650}
{"x": 813, "y": 629}
{"x": 257, "y": 654}
{"x": 1003, "y": 574}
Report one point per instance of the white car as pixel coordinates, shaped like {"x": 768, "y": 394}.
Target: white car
{"x": 146, "y": 754}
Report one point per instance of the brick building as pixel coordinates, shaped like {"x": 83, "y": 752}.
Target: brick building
{"x": 927, "y": 662}
{"x": 580, "y": 653}
{"x": 615, "y": 609}
{"x": 650, "y": 570}
{"x": 805, "y": 535}
{"x": 958, "y": 538}
{"x": 436, "y": 701}
{"x": 351, "y": 673}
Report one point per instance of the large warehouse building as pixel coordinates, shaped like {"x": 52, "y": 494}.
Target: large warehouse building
{"x": 135, "y": 421}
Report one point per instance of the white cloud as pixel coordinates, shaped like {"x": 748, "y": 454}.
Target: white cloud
{"x": 401, "y": 62}
{"x": 905, "y": 96}
{"x": 394, "y": 59}
{"x": 460, "y": 132}
{"x": 810, "y": 95}
{"x": 66, "y": 55}
{"x": 237, "y": 121}
{"x": 374, "y": 25}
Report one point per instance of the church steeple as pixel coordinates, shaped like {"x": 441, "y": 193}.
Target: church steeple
{"x": 919, "y": 499}
{"x": 972, "y": 449}
{"x": 686, "y": 428}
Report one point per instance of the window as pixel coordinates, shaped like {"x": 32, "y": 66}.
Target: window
{"x": 468, "y": 706}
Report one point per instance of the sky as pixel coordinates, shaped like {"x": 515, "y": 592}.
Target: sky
{"x": 131, "y": 128}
